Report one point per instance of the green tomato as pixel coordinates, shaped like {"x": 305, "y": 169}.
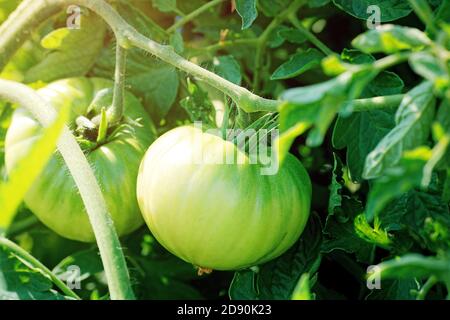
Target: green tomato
{"x": 54, "y": 197}
{"x": 220, "y": 216}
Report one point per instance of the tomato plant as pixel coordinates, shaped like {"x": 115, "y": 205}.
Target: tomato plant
{"x": 320, "y": 169}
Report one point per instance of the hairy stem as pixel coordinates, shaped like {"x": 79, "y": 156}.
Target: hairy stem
{"x": 107, "y": 240}
{"x": 23, "y": 254}
{"x": 193, "y": 15}
{"x": 119, "y": 86}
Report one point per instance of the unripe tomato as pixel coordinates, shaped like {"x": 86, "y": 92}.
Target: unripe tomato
{"x": 220, "y": 216}
{"x": 54, "y": 197}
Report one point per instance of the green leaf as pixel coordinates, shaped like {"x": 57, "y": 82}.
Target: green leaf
{"x": 375, "y": 234}
{"x": 390, "y": 39}
{"x": 247, "y": 10}
{"x": 298, "y": 64}
{"x": 337, "y": 182}
{"x": 317, "y": 105}
{"x": 88, "y": 262}
{"x": 429, "y": 67}
{"x": 413, "y": 120}
{"x": 271, "y": 8}
{"x": 22, "y": 177}
{"x": 156, "y": 83}
{"x": 292, "y": 35}
{"x": 176, "y": 41}
{"x": 19, "y": 281}
{"x": 442, "y": 14}
{"x": 227, "y": 67}
{"x": 65, "y": 51}
{"x": 394, "y": 290}
{"x": 423, "y": 215}
{"x": 390, "y": 9}
{"x": 339, "y": 231}
{"x": 396, "y": 181}
{"x": 197, "y": 105}
{"x": 165, "y": 5}
{"x": 413, "y": 266}
{"x": 360, "y": 133}
{"x": 277, "y": 279}
{"x": 317, "y": 3}
{"x": 275, "y": 38}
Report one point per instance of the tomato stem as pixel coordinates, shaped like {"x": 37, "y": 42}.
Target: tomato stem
{"x": 264, "y": 38}
{"x": 23, "y": 254}
{"x": 116, "y": 110}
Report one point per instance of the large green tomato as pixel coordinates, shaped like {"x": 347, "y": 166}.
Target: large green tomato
{"x": 54, "y": 197}
{"x": 220, "y": 216}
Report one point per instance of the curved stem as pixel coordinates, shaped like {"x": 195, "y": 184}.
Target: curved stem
{"x": 102, "y": 224}
{"x": 116, "y": 110}
{"x": 383, "y": 102}
{"x": 20, "y": 252}
{"x": 424, "y": 12}
{"x": 421, "y": 295}
{"x": 225, "y": 44}
{"x": 193, "y": 15}
{"x": 391, "y": 60}
{"x": 309, "y": 35}
{"x": 264, "y": 37}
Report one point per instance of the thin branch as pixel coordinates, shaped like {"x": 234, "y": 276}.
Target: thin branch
{"x": 119, "y": 85}
{"x": 20, "y": 252}
{"x": 382, "y": 102}
{"x": 309, "y": 35}
{"x": 101, "y": 222}
{"x": 191, "y": 16}
{"x": 264, "y": 37}
{"x": 421, "y": 295}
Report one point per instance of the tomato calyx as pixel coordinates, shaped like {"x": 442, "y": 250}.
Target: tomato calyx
{"x": 92, "y": 136}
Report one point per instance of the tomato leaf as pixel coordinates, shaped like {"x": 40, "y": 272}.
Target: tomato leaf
{"x": 423, "y": 215}
{"x": 271, "y": 8}
{"x": 248, "y": 12}
{"x": 394, "y": 290}
{"x": 413, "y": 266}
{"x": 429, "y": 67}
{"x": 298, "y": 64}
{"x": 277, "y": 279}
{"x": 65, "y": 47}
{"x": 390, "y": 39}
{"x": 339, "y": 232}
{"x": 360, "y": 132}
{"x": 19, "y": 281}
{"x": 165, "y": 5}
{"x": 390, "y": 9}
{"x": 413, "y": 119}
{"x": 228, "y": 68}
